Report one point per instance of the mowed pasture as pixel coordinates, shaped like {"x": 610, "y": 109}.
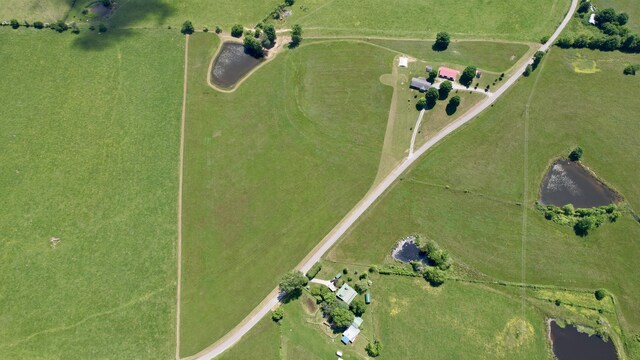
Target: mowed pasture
{"x": 90, "y": 147}
{"x": 474, "y": 193}
{"x": 34, "y": 10}
{"x": 509, "y": 20}
{"x": 270, "y": 169}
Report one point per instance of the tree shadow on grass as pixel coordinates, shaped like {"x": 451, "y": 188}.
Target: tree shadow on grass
{"x": 119, "y": 24}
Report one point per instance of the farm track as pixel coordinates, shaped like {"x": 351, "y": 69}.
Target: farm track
{"x": 271, "y": 301}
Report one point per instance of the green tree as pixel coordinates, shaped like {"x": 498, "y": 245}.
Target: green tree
{"x": 584, "y": 225}
{"x": 600, "y": 294}
{"x": 270, "y": 32}
{"x": 38, "y": 24}
{"x": 102, "y": 28}
{"x": 576, "y": 154}
{"x": 445, "y": 89}
{"x": 296, "y": 35}
{"x": 60, "y": 26}
{"x": 289, "y": 2}
{"x": 584, "y": 7}
{"x": 357, "y": 307}
{"x": 14, "y": 23}
{"x": 453, "y": 104}
{"x": 630, "y": 69}
{"x": 568, "y": 209}
{"x": 537, "y": 58}
{"x": 374, "y": 349}
{"x": 293, "y": 282}
{"x": 106, "y": 3}
{"x": 361, "y": 286}
{"x": 467, "y": 75}
{"x": 431, "y": 96}
{"x": 442, "y": 41}
{"x": 315, "y": 269}
{"x": 342, "y": 318}
{"x": 421, "y": 104}
{"x": 237, "y": 30}
{"x": 564, "y": 42}
{"x": 528, "y": 70}
{"x": 622, "y": 18}
{"x": 433, "y": 74}
{"x": 605, "y": 16}
{"x": 277, "y": 314}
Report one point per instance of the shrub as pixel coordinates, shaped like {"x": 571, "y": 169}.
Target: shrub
{"x": 584, "y": 7}
{"x": 315, "y": 269}
{"x": 544, "y": 39}
{"x": 442, "y": 41}
{"x": 277, "y": 314}
{"x": 187, "y": 28}
{"x": 434, "y": 276}
{"x": 75, "y": 29}
{"x": 431, "y": 97}
{"x": 296, "y": 35}
{"x": 60, "y": 26}
{"x": 433, "y": 74}
{"x": 102, "y": 28}
{"x": 361, "y": 286}
{"x": 253, "y": 46}
{"x": 630, "y": 69}
{"x": 445, "y": 89}
{"x": 584, "y": 225}
{"x": 289, "y": 2}
{"x": 218, "y": 29}
{"x": 14, "y": 23}
{"x": 576, "y": 154}
{"x": 564, "y": 42}
{"x": 205, "y": 29}
{"x": 345, "y": 271}
{"x": 600, "y": 294}
{"x": 237, "y": 30}
{"x": 38, "y": 24}
{"x": 373, "y": 349}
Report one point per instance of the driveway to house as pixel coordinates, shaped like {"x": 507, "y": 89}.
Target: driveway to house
{"x": 271, "y": 301}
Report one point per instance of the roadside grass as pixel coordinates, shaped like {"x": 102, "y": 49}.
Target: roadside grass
{"x": 90, "y": 156}
{"x": 263, "y": 340}
{"x": 509, "y": 20}
{"x": 34, "y": 10}
{"x": 479, "y": 218}
{"x": 486, "y": 55}
{"x": 269, "y": 170}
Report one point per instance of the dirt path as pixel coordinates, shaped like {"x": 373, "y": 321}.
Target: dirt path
{"x": 180, "y": 182}
{"x": 372, "y": 196}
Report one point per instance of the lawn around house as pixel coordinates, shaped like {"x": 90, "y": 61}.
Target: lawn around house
{"x": 467, "y": 193}
{"x": 269, "y": 170}
{"x": 90, "y": 156}
{"x": 507, "y": 20}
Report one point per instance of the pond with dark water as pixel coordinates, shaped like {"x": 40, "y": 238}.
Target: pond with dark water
{"x": 231, "y": 64}
{"x": 570, "y": 344}
{"x": 569, "y": 183}
{"x": 407, "y": 251}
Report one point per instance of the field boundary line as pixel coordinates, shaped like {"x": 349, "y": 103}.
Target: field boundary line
{"x": 180, "y": 184}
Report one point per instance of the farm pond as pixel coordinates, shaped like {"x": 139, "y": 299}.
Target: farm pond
{"x": 231, "y": 64}
{"x": 567, "y": 182}
{"x": 571, "y": 344}
{"x": 407, "y": 251}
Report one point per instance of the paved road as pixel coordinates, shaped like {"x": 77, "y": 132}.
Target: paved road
{"x": 336, "y": 233}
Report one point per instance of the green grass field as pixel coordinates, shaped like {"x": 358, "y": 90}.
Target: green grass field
{"x": 269, "y": 172}
{"x": 483, "y": 19}
{"x": 479, "y": 218}
{"x": 32, "y": 10}
{"x": 90, "y": 156}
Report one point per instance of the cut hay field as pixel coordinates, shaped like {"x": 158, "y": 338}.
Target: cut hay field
{"x": 90, "y": 146}
{"x": 269, "y": 170}
{"x": 474, "y": 193}
{"x": 32, "y": 10}
{"x": 510, "y": 20}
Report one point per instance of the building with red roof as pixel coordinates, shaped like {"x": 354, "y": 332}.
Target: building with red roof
{"x": 446, "y": 73}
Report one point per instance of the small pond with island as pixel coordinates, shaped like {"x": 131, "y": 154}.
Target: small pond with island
{"x": 231, "y": 64}
{"x": 567, "y": 182}
{"x": 570, "y": 344}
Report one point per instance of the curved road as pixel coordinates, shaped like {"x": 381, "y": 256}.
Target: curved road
{"x": 271, "y": 300}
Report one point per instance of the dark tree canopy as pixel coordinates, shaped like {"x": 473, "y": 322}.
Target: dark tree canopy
{"x": 237, "y": 30}
{"x": 442, "y": 41}
{"x": 253, "y": 46}
{"x": 342, "y": 318}
{"x": 467, "y": 75}
{"x": 374, "y": 348}
{"x": 445, "y": 89}
{"x": 576, "y": 154}
{"x": 270, "y": 32}
{"x": 433, "y": 74}
{"x": 600, "y": 294}
{"x": 528, "y": 70}
{"x": 357, "y": 307}
{"x": 455, "y": 101}
{"x": 431, "y": 97}
{"x": 187, "y": 28}
{"x": 296, "y": 35}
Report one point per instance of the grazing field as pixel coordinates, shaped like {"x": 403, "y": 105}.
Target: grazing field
{"x": 32, "y": 10}
{"x": 269, "y": 170}
{"x": 474, "y": 193}
{"x": 90, "y": 144}
{"x": 486, "y": 55}
{"x": 510, "y": 20}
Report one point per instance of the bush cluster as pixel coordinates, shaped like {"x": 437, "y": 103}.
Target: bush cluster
{"x": 583, "y": 220}
{"x": 374, "y": 348}
{"x": 395, "y": 269}
{"x": 338, "y": 311}
{"x": 438, "y": 257}
{"x": 614, "y": 35}
{"x": 315, "y": 269}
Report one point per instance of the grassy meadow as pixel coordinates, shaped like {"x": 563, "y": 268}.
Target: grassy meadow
{"x": 32, "y": 10}
{"x": 90, "y": 156}
{"x": 269, "y": 170}
{"x": 508, "y": 20}
{"x": 474, "y": 193}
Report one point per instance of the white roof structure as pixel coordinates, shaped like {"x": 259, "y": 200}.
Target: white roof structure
{"x": 351, "y": 333}
{"x": 403, "y": 62}
{"x": 592, "y": 19}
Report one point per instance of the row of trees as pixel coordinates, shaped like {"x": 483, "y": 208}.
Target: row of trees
{"x": 614, "y": 35}
{"x": 582, "y": 220}
{"x": 59, "y": 26}
{"x": 537, "y": 58}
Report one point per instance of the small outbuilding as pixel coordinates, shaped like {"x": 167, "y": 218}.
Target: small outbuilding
{"x": 357, "y": 322}
{"x": 338, "y": 276}
{"x": 429, "y": 68}
{"x": 350, "y": 335}
{"x": 346, "y": 293}
{"x": 403, "y": 62}
{"x": 420, "y": 83}
{"x": 592, "y": 19}
{"x": 478, "y": 74}
{"x": 449, "y": 74}
{"x": 367, "y": 298}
